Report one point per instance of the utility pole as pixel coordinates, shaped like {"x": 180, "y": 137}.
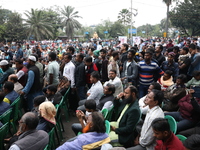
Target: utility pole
{"x": 131, "y": 24}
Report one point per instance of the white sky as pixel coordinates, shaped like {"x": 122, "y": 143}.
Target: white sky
{"x": 93, "y": 11}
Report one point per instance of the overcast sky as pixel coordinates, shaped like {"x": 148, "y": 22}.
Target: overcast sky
{"x": 93, "y": 11}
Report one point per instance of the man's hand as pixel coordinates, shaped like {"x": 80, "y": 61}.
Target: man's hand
{"x": 112, "y": 128}
{"x": 21, "y": 93}
{"x": 120, "y": 95}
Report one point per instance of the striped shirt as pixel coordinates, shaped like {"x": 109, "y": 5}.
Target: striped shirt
{"x": 147, "y": 71}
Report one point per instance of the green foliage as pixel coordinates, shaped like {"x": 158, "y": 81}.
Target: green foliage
{"x": 69, "y": 21}
{"x": 150, "y": 30}
{"x": 185, "y": 16}
{"x": 124, "y": 17}
{"x": 4, "y": 15}
{"x": 37, "y": 25}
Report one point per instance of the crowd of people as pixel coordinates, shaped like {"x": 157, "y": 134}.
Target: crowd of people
{"x": 141, "y": 83}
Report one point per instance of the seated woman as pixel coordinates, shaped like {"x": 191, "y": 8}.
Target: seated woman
{"x": 3, "y": 105}
{"x": 90, "y": 106}
{"x": 93, "y": 135}
{"x": 166, "y": 80}
{"x": 47, "y": 113}
{"x": 186, "y": 116}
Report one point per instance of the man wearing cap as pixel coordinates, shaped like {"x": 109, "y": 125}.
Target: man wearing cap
{"x": 6, "y": 69}
{"x": 33, "y": 87}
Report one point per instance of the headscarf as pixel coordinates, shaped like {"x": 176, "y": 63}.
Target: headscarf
{"x": 48, "y": 111}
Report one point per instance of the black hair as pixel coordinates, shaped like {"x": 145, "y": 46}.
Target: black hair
{"x": 14, "y": 78}
{"x": 186, "y": 49}
{"x": 132, "y": 52}
{"x": 71, "y": 49}
{"x": 149, "y": 51}
{"x": 98, "y": 123}
{"x": 39, "y": 99}
{"x": 90, "y": 104}
{"x": 69, "y": 56}
{"x": 158, "y": 96}
{"x": 9, "y": 86}
{"x": 161, "y": 47}
{"x": 176, "y": 48}
{"x": 31, "y": 120}
{"x": 103, "y": 51}
{"x": 115, "y": 53}
{"x": 112, "y": 70}
{"x": 125, "y": 45}
{"x": 196, "y": 73}
{"x": 192, "y": 46}
{"x": 160, "y": 124}
{"x": 2, "y": 95}
{"x": 133, "y": 89}
{"x": 92, "y": 49}
{"x": 111, "y": 87}
{"x": 95, "y": 74}
{"x": 88, "y": 59}
{"x": 192, "y": 142}
{"x": 52, "y": 88}
{"x": 52, "y": 55}
{"x": 182, "y": 77}
{"x": 156, "y": 86}
{"x": 81, "y": 56}
{"x": 20, "y": 61}
{"x": 169, "y": 72}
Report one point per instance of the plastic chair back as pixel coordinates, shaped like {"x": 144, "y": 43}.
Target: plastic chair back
{"x": 51, "y": 144}
{"x": 109, "y": 115}
{"x": 5, "y": 117}
{"x": 181, "y": 137}
{"x": 172, "y": 123}
{"x": 107, "y": 123}
{"x": 104, "y": 112}
{"x": 3, "y": 133}
{"x": 15, "y": 106}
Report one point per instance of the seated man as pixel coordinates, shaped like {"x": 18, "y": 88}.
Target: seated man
{"x": 112, "y": 75}
{"x": 90, "y": 106}
{"x": 11, "y": 95}
{"x": 17, "y": 86}
{"x": 7, "y": 70}
{"x": 147, "y": 140}
{"x": 128, "y": 114}
{"x": 195, "y": 81}
{"x": 106, "y": 101}
{"x": 3, "y": 105}
{"x": 52, "y": 96}
{"x": 95, "y": 92}
{"x": 36, "y": 103}
{"x": 166, "y": 140}
{"x": 93, "y": 135}
{"x": 30, "y": 138}
{"x": 166, "y": 80}
{"x": 143, "y": 106}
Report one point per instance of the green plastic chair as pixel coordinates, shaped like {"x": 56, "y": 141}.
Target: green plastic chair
{"x": 107, "y": 126}
{"x": 181, "y": 137}
{"x": 3, "y": 133}
{"x": 5, "y": 117}
{"x": 172, "y": 123}
{"x": 52, "y": 144}
{"x": 64, "y": 104}
{"x": 59, "y": 124}
{"x": 104, "y": 112}
{"x": 109, "y": 115}
{"x": 15, "y": 113}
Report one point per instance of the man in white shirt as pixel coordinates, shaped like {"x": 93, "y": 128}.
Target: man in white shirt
{"x": 69, "y": 69}
{"x": 95, "y": 92}
{"x": 99, "y": 46}
{"x": 146, "y": 140}
{"x": 116, "y": 81}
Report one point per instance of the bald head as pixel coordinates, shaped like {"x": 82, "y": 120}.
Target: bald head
{"x": 31, "y": 120}
{"x": 13, "y": 78}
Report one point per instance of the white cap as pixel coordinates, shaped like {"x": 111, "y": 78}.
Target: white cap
{"x": 3, "y": 63}
{"x": 32, "y": 58}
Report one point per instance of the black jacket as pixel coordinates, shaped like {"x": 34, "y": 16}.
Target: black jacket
{"x": 80, "y": 78}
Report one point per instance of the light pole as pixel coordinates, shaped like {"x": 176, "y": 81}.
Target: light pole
{"x": 135, "y": 14}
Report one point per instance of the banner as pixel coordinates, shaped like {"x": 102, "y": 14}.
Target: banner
{"x": 136, "y": 40}
{"x": 123, "y": 39}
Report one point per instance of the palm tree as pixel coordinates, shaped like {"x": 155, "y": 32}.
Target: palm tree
{"x": 124, "y": 16}
{"x": 37, "y": 25}
{"x": 69, "y": 20}
{"x": 168, "y": 3}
